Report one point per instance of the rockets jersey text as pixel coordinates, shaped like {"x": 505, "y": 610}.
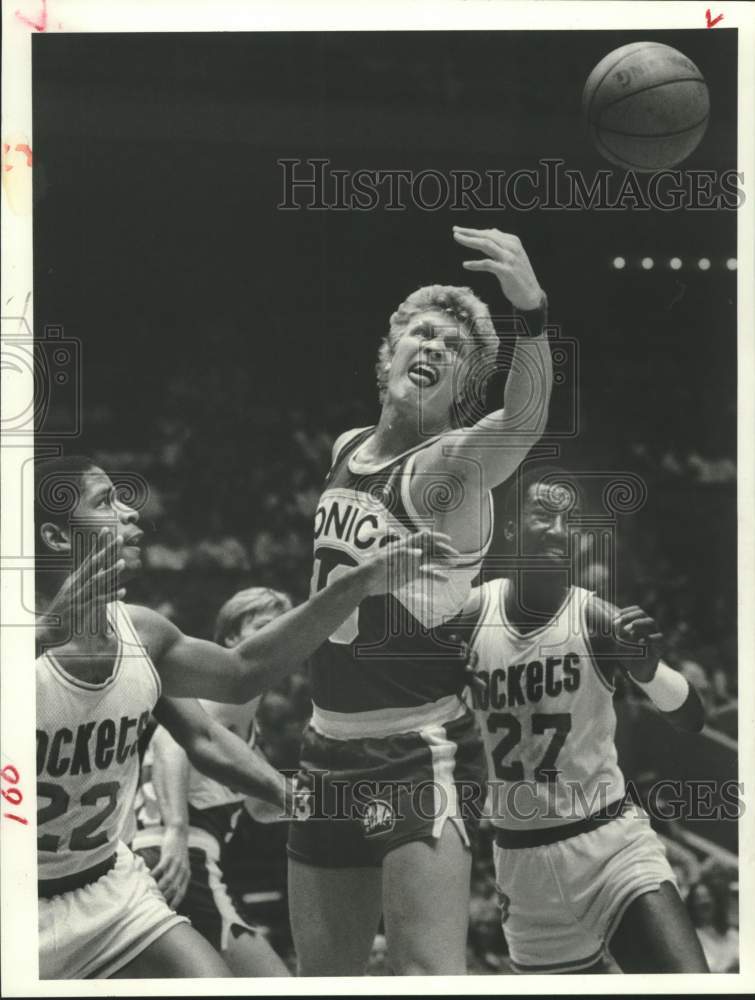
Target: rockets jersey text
{"x": 546, "y": 714}
{"x": 87, "y": 753}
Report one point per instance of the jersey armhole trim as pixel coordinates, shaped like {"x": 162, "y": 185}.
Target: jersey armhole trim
{"x": 485, "y": 600}
{"x": 470, "y": 558}
{"x": 607, "y": 684}
{"x": 124, "y": 619}
{"x": 343, "y": 441}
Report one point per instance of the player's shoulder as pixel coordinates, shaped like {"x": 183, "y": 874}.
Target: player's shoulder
{"x": 482, "y": 597}
{"x": 152, "y": 629}
{"x": 345, "y": 439}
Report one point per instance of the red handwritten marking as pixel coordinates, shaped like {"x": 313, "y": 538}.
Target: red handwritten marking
{"x": 40, "y": 24}
{"x": 24, "y": 148}
{"x": 18, "y": 819}
{"x": 714, "y": 22}
{"x": 12, "y": 795}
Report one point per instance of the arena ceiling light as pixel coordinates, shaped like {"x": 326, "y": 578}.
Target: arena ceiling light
{"x": 619, "y": 263}
{"x": 704, "y": 264}
{"x": 675, "y": 263}
{"x": 731, "y": 264}
{"x": 647, "y": 263}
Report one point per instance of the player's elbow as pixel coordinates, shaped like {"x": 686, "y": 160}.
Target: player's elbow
{"x": 246, "y": 683}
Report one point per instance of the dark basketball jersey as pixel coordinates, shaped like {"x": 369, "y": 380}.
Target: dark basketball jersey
{"x": 387, "y": 654}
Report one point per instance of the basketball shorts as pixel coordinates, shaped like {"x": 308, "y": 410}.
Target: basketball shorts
{"x": 207, "y": 903}
{"x": 561, "y": 902}
{"x": 373, "y": 795}
{"x": 93, "y": 931}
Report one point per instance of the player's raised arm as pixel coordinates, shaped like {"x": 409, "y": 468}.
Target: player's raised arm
{"x": 192, "y": 667}
{"x": 629, "y": 639}
{"x": 498, "y": 443}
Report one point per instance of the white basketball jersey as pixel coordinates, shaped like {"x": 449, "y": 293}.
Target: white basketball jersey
{"x": 87, "y": 753}
{"x": 205, "y": 792}
{"x": 546, "y": 715}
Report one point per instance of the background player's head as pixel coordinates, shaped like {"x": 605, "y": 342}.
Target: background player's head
{"x": 72, "y": 494}
{"x": 248, "y": 611}
{"x": 439, "y": 351}
{"x": 539, "y": 504}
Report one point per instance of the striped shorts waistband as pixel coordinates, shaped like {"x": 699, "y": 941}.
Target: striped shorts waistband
{"x": 49, "y": 887}
{"x": 514, "y": 839}
{"x": 386, "y": 722}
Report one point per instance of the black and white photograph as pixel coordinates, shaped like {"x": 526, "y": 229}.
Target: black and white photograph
{"x": 377, "y": 500}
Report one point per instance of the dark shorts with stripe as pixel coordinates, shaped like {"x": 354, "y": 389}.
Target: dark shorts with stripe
{"x": 373, "y": 795}
{"x": 207, "y": 903}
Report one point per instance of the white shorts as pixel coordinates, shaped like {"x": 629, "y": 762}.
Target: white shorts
{"x": 94, "y": 931}
{"x": 560, "y": 903}
{"x": 207, "y": 903}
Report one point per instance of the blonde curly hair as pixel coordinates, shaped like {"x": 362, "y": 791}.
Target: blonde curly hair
{"x": 468, "y": 311}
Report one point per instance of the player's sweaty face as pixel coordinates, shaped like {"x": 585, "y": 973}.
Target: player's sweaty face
{"x": 100, "y": 503}
{"x": 426, "y": 361}
{"x": 547, "y": 509}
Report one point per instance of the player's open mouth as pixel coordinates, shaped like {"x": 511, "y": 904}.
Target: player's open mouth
{"x": 423, "y": 375}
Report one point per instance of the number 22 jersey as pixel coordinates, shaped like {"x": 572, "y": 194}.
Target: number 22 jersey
{"x": 87, "y": 753}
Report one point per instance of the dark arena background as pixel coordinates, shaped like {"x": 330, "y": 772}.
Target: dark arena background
{"x": 224, "y": 341}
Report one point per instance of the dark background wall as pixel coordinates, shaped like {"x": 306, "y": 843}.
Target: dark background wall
{"x": 215, "y": 327}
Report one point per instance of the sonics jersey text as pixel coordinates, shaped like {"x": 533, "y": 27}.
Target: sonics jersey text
{"x": 87, "y": 753}
{"x": 546, "y": 714}
{"x": 385, "y": 655}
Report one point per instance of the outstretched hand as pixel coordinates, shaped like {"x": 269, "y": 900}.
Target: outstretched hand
{"x": 420, "y": 556}
{"x": 506, "y": 259}
{"x": 633, "y": 625}
{"x": 93, "y": 584}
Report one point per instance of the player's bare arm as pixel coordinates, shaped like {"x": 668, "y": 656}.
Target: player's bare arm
{"x": 217, "y": 752}
{"x": 629, "y": 639}
{"x": 473, "y": 454}
{"x": 170, "y": 780}
{"x": 197, "y": 668}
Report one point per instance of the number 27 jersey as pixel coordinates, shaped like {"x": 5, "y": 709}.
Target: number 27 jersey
{"x": 87, "y": 753}
{"x": 546, "y": 714}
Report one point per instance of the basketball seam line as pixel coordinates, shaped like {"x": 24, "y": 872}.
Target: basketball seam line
{"x": 610, "y": 70}
{"x": 653, "y": 135}
{"x": 652, "y": 86}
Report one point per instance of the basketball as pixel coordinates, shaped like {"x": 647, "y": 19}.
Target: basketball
{"x": 646, "y": 106}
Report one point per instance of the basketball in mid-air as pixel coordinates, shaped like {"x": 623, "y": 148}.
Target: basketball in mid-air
{"x": 646, "y": 106}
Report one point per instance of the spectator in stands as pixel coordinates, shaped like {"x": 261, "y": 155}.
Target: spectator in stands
{"x": 220, "y": 549}
{"x": 171, "y": 551}
{"x": 708, "y": 906}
